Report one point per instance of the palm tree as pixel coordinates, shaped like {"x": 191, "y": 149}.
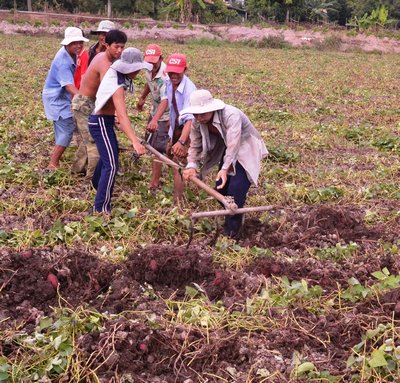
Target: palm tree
{"x": 186, "y": 8}
{"x": 109, "y": 9}
{"x": 288, "y": 3}
{"x": 318, "y": 9}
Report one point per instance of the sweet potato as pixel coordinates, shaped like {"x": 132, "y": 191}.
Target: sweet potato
{"x": 153, "y": 265}
{"x": 53, "y": 280}
{"x": 26, "y": 253}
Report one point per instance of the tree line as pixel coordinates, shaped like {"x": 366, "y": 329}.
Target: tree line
{"x": 357, "y": 13}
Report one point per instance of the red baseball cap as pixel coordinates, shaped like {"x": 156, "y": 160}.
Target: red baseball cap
{"x": 152, "y": 53}
{"x": 176, "y": 63}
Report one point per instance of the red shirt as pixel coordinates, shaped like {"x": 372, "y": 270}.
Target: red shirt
{"x": 81, "y": 66}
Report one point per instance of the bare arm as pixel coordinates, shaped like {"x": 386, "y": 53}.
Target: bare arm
{"x": 124, "y": 121}
{"x": 142, "y": 98}
{"x": 153, "y": 124}
{"x": 178, "y": 149}
{"x": 70, "y": 88}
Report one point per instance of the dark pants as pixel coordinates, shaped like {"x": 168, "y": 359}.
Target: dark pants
{"x": 101, "y": 128}
{"x": 236, "y": 186}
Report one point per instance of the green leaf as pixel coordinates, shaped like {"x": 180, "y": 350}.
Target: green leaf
{"x": 45, "y": 323}
{"x": 372, "y": 333}
{"x": 305, "y": 367}
{"x": 191, "y": 291}
{"x": 353, "y": 281}
{"x": 350, "y": 361}
{"x": 57, "y": 341}
{"x": 68, "y": 229}
{"x": 4, "y": 376}
{"x": 263, "y": 372}
{"x": 377, "y": 359}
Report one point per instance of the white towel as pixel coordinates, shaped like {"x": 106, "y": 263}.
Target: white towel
{"x": 109, "y": 85}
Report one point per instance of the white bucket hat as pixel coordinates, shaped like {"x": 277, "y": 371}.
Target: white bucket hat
{"x": 73, "y": 34}
{"x": 104, "y": 26}
{"x": 201, "y": 101}
{"x": 131, "y": 60}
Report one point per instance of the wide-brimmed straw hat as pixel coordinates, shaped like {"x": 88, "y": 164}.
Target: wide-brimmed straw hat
{"x": 104, "y": 26}
{"x": 131, "y": 61}
{"x": 201, "y": 101}
{"x": 72, "y": 34}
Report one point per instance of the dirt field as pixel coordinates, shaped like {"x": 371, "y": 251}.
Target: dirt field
{"x": 309, "y": 293}
{"x": 132, "y": 346}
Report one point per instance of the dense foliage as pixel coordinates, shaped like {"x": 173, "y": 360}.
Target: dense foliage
{"x": 340, "y": 12}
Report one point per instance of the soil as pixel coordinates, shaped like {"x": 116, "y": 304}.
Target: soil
{"x": 131, "y": 346}
{"x": 141, "y": 340}
{"x": 334, "y": 39}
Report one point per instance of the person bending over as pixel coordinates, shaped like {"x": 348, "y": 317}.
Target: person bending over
{"x": 222, "y": 135}
{"x": 86, "y": 156}
{"x": 110, "y": 101}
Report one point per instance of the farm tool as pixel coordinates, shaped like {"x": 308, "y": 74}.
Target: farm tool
{"x": 227, "y": 201}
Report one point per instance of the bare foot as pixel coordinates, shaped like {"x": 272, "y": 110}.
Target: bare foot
{"x": 51, "y": 167}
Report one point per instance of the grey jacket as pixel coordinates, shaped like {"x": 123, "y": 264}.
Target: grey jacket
{"x": 242, "y": 141}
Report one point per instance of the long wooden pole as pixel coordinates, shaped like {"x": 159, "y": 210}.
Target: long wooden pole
{"x": 227, "y": 202}
{"x": 217, "y": 213}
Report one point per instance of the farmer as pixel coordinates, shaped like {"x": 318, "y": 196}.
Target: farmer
{"x": 223, "y": 135}
{"x": 110, "y": 101}
{"x": 179, "y": 88}
{"x": 101, "y": 31}
{"x": 58, "y": 91}
{"x": 87, "y": 156}
{"x": 82, "y": 63}
{"x": 158, "y": 123}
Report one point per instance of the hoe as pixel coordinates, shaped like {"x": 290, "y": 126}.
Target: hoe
{"x": 226, "y": 201}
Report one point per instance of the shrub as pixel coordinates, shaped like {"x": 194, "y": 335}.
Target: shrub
{"x": 332, "y": 42}
{"x": 274, "y": 42}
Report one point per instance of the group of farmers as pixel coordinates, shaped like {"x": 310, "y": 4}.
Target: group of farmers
{"x": 84, "y": 96}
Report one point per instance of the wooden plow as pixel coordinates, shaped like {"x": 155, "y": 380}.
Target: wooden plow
{"x": 227, "y": 201}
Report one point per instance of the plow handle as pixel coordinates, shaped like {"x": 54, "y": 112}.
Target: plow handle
{"x": 228, "y": 203}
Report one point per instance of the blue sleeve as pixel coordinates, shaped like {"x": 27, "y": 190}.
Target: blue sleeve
{"x": 65, "y": 74}
{"x": 189, "y": 89}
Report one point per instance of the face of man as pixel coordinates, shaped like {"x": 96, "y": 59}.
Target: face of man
{"x": 204, "y": 118}
{"x": 115, "y": 50}
{"x": 74, "y": 48}
{"x": 175, "y": 78}
{"x": 133, "y": 74}
{"x": 156, "y": 66}
{"x": 102, "y": 39}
